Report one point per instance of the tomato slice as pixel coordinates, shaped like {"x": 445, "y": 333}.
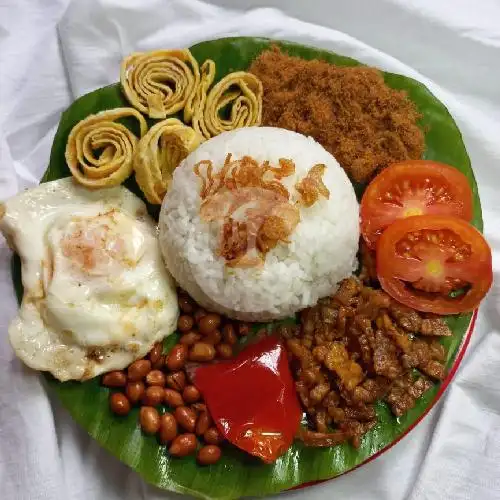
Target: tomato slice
{"x": 434, "y": 263}
{"x": 415, "y": 187}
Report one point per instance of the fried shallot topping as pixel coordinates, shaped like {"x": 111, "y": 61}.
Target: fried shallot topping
{"x": 253, "y": 206}
{"x": 312, "y": 186}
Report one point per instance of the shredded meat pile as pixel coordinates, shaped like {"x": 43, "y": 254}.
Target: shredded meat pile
{"x": 350, "y": 111}
{"x": 354, "y": 348}
{"x": 255, "y": 208}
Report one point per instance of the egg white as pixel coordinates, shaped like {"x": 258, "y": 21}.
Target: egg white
{"x": 97, "y": 295}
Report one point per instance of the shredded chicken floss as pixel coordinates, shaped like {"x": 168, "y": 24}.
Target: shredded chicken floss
{"x": 255, "y": 208}
{"x": 350, "y": 111}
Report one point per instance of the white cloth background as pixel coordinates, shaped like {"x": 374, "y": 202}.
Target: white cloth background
{"x": 52, "y": 51}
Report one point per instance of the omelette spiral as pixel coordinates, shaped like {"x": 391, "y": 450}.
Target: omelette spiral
{"x": 241, "y": 91}
{"x": 194, "y": 112}
{"x": 161, "y": 82}
{"x": 159, "y": 152}
{"x": 99, "y": 151}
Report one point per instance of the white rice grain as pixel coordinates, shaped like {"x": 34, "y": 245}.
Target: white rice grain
{"x": 322, "y": 249}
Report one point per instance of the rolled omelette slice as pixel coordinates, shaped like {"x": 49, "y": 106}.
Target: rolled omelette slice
{"x": 159, "y": 152}
{"x": 194, "y": 112}
{"x": 161, "y": 82}
{"x": 100, "y": 151}
{"x": 241, "y": 91}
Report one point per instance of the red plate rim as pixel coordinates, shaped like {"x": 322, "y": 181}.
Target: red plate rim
{"x": 444, "y": 385}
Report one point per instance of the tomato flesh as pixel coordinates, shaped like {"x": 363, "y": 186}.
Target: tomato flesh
{"x": 435, "y": 264}
{"x": 434, "y": 251}
{"x": 411, "y": 188}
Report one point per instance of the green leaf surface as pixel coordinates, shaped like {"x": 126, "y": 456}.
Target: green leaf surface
{"x": 237, "y": 474}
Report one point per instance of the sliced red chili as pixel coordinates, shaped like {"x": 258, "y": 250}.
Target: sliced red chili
{"x": 252, "y": 399}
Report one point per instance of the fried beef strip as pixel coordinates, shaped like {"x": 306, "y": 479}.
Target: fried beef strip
{"x": 411, "y": 321}
{"x": 404, "y": 393}
{"x": 354, "y": 348}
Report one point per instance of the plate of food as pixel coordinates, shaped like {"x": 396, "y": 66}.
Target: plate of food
{"x": 250, "y": 265}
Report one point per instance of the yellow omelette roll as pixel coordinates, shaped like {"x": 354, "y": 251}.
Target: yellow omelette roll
{"x": 161, "y": 82}
{"x": 242, "y": 92}
{"x": 100, "y": 151}
{"x": 194, "y": 112}
{"x": 159, "y": 153}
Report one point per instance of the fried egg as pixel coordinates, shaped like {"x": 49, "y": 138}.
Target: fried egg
{"x": 96, "y": 292}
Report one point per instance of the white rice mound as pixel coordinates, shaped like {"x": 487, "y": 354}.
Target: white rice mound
{"x": 322, "y": 249}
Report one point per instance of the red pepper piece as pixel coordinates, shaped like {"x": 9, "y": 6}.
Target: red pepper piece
{"x": 252, "y": 399}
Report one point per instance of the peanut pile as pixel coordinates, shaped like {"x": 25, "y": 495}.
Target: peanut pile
{"x": 171, "y": 407}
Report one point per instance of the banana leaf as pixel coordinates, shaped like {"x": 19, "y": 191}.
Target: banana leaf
{"x": 238, "y": 474}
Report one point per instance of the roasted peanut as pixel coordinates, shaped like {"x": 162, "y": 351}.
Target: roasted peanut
{"x": 186, "y": 418}
{"x": 135, "y": 391}
{"x": 212, "y": 436}
{"x": 176, "y": 358}
{"x": 119, "y": 403}
{"x": 201, "y": 351}
{"x": 155, "y": 377}
{"x": 190, "y": 394}
{"x": 185, "y": 304}
{"x": 229, "y": 334}
{"x": 209, "y": 323}
{"x": 189, "y": 338}
{"x": 198, "y": 314}
{"x": 168, "y": 428}
{"x": 176, "y": 381}
{"x": 199, "y": 407}
{"x": 159, "y": 363}
{"x": 149, "y": 419}
{"x": 172, "y": 398}
{"x": 213, "y": 338}
{"x": 224, "y": 351}
{"x": 155, "y": 353}
{"x": 183, "y": 445}
{"x": 185, "y": 323}
{"x": 115, "y": 378}
{"x": 153, "y": 396}
{"x": 203, "y": 423}
{"x": 208, "y": 455}
{"x": 138, "y": 369}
